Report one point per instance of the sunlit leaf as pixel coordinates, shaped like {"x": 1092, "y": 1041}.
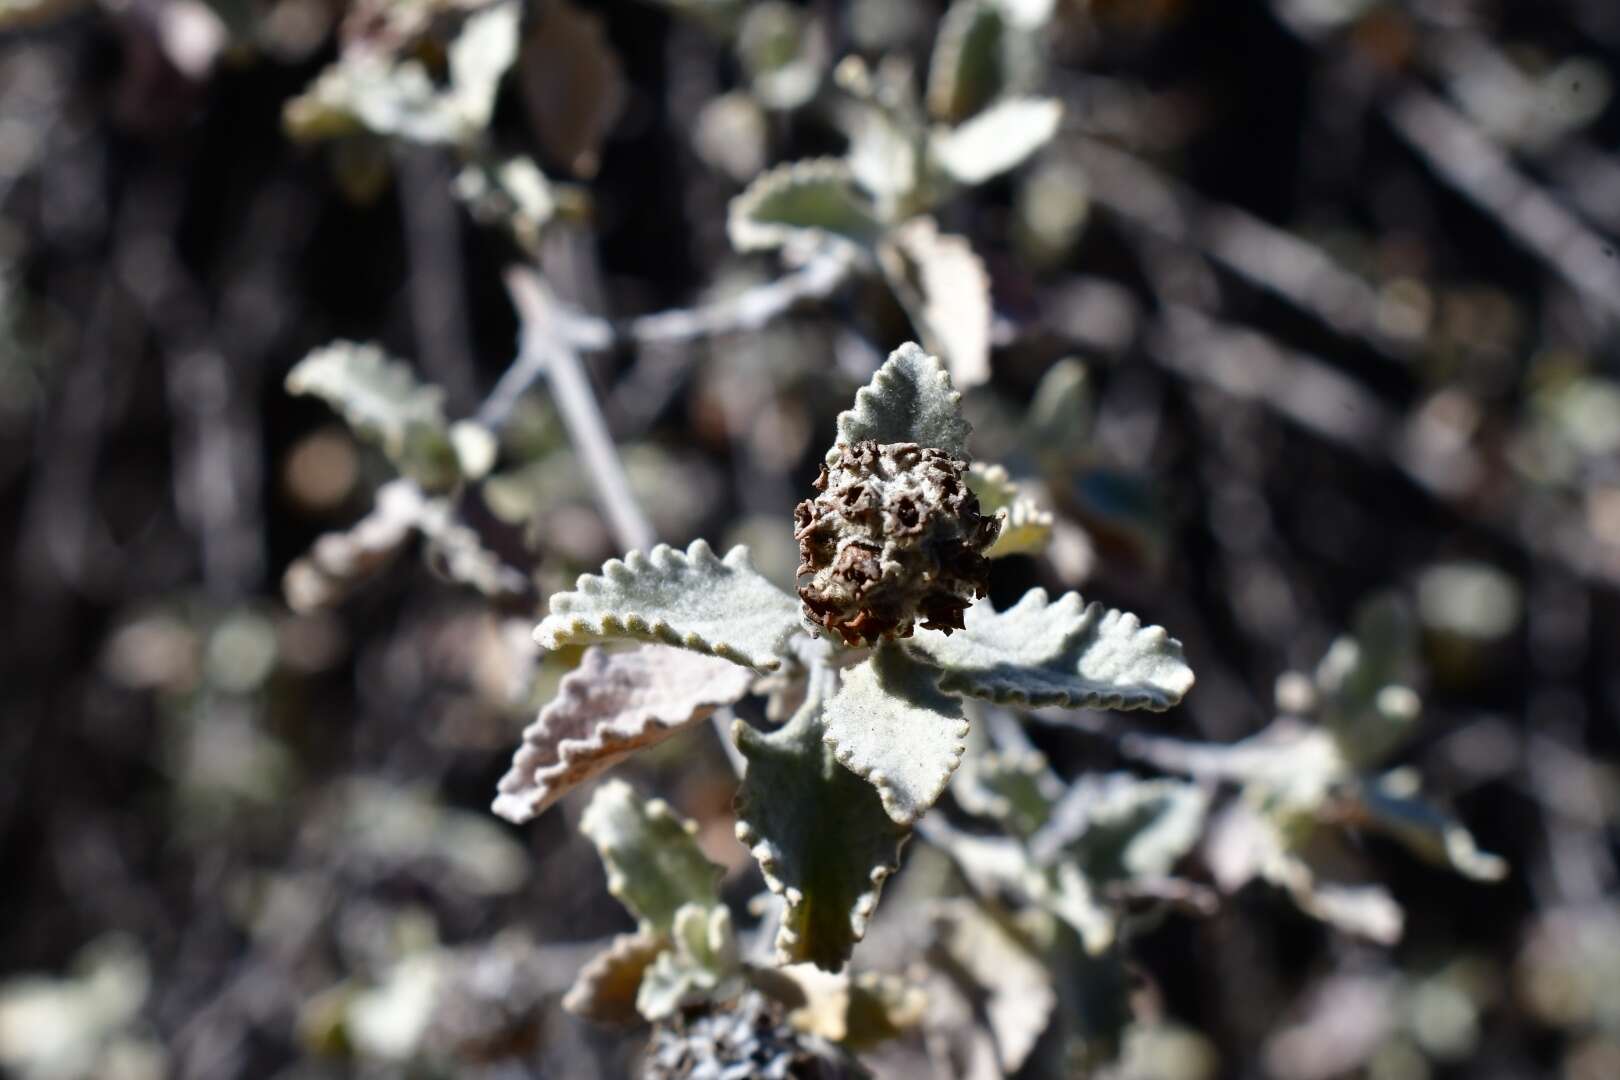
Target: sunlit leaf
{"x": 1064, "y": 653}
{"x": 1000, "y": 138}
{"x": 910, "y": 399}
{"x": 945, "y": 289}
{"x": 1001, "y": 972}
{"x": 653, "y": 863}
{"x": 891, "y": 725}
{"x": 701, "y": 964}
{"x": 693, "y": 600}
{"x": 1025, "y": 527}
{"x": 808, "y": 200}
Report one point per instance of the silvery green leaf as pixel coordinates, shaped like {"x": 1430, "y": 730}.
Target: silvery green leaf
{"x": 693, "y": 600}
{"x": 1015, "y": 788}
{"x": 945, "y": 289}
{"x": 605, "y": 989}
{"x": 1061, "y": 413}
{"x": 1295, "y": 764}
{"x": 783, "y": 51}
{"x": 1392, "y": 805}
{"x": 969, "y": 66}
{"x": 653, "y": 863}
{"x": 815, "y": 200}
{"x": 382, "y": 401}
{"x": 1362, "y": 682}
{"x": 612, "y": 705}
{"x": 1002, "y": 973}
{"x": 701, "y": 964}
{"x": 1064, "y": 653}
{"x": 910, "y": 399}
{"x": 1025, "y": 527}
{"x": 1000, "y": 138}
{"x": 339, "y": 562}
{"x": 890, "y": 725}
{"x": 820, "y": 834}
{"x": 1120, "y": 827}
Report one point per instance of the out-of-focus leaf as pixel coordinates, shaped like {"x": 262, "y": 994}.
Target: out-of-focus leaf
{"x": 945, "y": 289}
{"x": 1065, "y": 653}
{"x": 573, "y": 85}
{"x": 1362, "y": 683}
{"x": 910, "y": 399}
{"x": 605, "y": 990}
{"x": 338, "y": 563}
{"x": 693, "y": 600}
{"x": 701, "y": 965}
{"x": 1000, "y": 138}
{"x": 1060, "y": 414}
{"x": 730, "y": 135}
{"x": 383, "y": 401}
{"x": 612, "y": 705}
{"x": 806, "y": 201}
{"x": 968, "y": 67}
{"x": 1120, "y": 827}
{"x": 783, "y": 52}
{"x": 890, "y": 725}
{"x": 1425, "y": 829}
{"x": 654, "y": 865}
{"x": 1016, "y": 789}
{"x": 820, "y": 834}
{"x": 1025, "y": 527}
{"x": 61, "y": 1028}
{"x": 388, "y": 1022}
{"x": 478, "y": 59}
{"x": 999, "y": 971}
{"x": 513, "y": 193}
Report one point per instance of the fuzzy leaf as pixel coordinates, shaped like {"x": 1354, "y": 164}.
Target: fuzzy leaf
{"x": 890, "y": 725}
{"x": 382, "y": 401}
{"x": 1025, "y": 527}
{"x": 1000, "y": 138}
{"x": 573, "y": 85}
{"x": 612, "y": 705}
{"x": 605, "y": 989}
{"x": 805, "y": 200}
{"x": 1063, "y": 653}
{"x": 910, "y": 399}
{"x": 945, "y": 289}
{"x": 654, "y": 866}
{"x": 702, "y": 965}
{"x": 693, "y": 600}
{"x": 821, "y": 837}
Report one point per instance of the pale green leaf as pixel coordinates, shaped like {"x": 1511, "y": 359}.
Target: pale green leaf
{"x": 701, "y": 965}
{"x": 1120, "y": 827}
{"x": 605, "y": 989}
{"x": 1362, "y": 682}
{"x": 783, "y": 51}
{"x": 1025, "y": 527}
{"x": 892, "y": 726}
{"x": 945, "y": 289}
{"x": 612, "y": 705}
{"x": 694, "y": 600}
{"x": 382, "y": 401}
{"x": 909, "y": 400}
{"x": 807, "y": 200}
{"x": 820, "y": 835}
{"x": 1000, "y": 138}
{"x": 968, "y": 68}
{"x": 479, "y": 57}
{"x": 1017, "y": 789}
{"x": 1002, "y": 973}
{"x": 1390, "y": 805}
{"x": 1064, "y": 653}
{"x": 653, "y": 863}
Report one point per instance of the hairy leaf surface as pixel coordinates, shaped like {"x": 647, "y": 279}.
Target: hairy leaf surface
{"x": 694, "y": 599}
{"x": 1064, "y": 653}
{"x": 820, "y": 834}
{"x": 806, "y": 200}
{"x": 653, "y": 863}
{"x": 910, "y": 399}
{"x": 612, "y": 705}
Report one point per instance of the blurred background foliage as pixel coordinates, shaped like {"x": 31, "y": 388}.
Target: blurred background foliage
{"x": 1303, "y": 302}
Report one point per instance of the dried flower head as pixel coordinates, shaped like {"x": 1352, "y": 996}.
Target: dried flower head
{"x": 894, "y": 536}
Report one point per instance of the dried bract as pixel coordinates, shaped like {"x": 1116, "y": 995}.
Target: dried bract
{"x": 894, "y": 536}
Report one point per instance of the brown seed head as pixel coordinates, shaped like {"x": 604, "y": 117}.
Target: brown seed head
{"x": 894, "y": 536}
